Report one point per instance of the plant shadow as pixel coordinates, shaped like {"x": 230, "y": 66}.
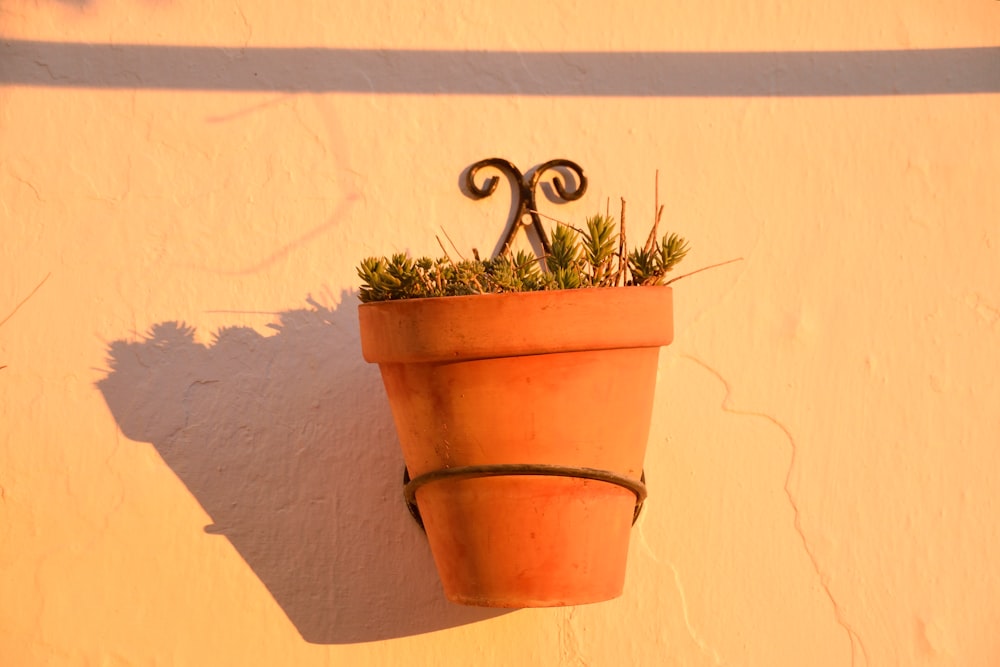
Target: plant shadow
{"x": 288, "y": 444}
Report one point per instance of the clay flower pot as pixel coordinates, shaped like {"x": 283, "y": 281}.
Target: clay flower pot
{"x": 523, "y": 420}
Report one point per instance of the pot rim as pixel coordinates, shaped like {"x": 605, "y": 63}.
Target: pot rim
{"x": 458, "y": 328}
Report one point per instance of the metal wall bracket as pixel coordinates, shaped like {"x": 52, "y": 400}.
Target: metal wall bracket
{"x": 525, "y": 214}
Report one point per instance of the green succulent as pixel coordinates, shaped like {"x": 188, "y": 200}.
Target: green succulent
{"x": 649, "y": 266}
{"x": 592, "y": 257}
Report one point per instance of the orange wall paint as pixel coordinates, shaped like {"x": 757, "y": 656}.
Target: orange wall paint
{"x": 823, "y": 466}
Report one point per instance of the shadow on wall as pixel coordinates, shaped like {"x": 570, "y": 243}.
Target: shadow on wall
{"x": 943, "y": 71}
{"x": 288, "y": 444}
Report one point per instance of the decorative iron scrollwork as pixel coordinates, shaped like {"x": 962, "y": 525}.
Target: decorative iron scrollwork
{"x": 525, "y": 209}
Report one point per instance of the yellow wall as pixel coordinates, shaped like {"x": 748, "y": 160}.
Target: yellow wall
{"x": 824, "y": 459}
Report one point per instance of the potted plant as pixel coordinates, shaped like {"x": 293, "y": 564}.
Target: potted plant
{"x": 522, "y": 391}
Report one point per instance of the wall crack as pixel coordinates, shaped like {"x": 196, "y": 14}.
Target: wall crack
{"x": 702, "y": 645}
{"x": 570, "y": 651}
{"x": 25, "y": 299}
{"x": 858, "y": 649}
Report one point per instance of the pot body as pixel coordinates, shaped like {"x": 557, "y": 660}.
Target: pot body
{"x": 559, "y": 378}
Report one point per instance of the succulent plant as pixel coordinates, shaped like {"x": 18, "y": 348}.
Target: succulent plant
{"x": 595, "y": 256}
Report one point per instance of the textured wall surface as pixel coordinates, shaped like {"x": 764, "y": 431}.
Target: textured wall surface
{"x": 197, "y": 467}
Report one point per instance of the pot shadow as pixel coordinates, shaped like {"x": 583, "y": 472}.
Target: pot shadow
{"x": 288, "y": 444}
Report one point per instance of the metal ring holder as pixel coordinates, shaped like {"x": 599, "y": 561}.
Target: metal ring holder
{"x": 410, "y": 486}
{"x": 525, "y": 214}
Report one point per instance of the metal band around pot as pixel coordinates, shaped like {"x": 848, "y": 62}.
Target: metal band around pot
{"x": 410, "y": 486}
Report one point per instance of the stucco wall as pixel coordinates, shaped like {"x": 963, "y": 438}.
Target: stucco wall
{"x": 197, "y": 468}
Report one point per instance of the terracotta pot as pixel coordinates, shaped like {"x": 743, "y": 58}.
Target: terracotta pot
{"x": 558, "y": 378}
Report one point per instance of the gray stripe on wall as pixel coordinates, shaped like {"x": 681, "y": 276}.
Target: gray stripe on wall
{"x": 946, "y": 71}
